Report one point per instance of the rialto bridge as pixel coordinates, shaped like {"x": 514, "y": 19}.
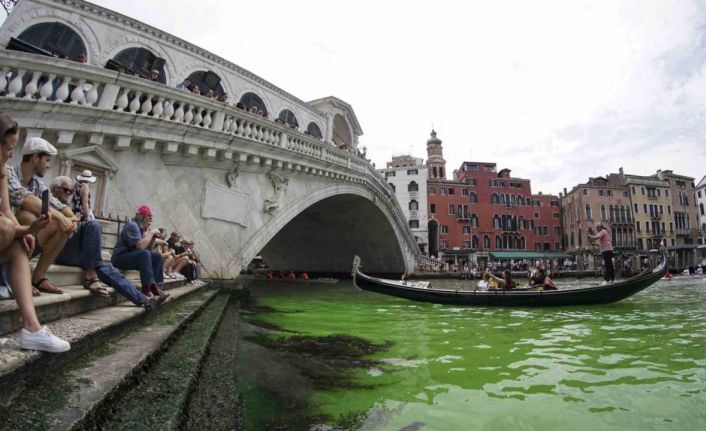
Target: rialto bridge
{"x": 261, "y": 173}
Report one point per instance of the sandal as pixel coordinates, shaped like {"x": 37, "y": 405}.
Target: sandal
{"x": 35, "y": 292}
{"x": 98, "y": 291}
{"x": 45, "y": 285}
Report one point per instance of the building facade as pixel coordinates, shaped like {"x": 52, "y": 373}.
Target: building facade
{"x": 701, "y": 200}
{"x": 407, "y": 176}
{"x": 599, "y": 200}
{"x": 483, "y": 210}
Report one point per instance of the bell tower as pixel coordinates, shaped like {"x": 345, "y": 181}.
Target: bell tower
{"x": 436, "y": 165}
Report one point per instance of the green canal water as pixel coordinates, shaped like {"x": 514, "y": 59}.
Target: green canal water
{"x": 639, "y": 364}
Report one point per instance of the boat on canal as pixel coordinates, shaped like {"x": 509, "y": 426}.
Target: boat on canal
{"x": 425, "y": 292}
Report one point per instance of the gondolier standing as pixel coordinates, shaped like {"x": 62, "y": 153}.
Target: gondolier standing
{"x": 606, "y": 247}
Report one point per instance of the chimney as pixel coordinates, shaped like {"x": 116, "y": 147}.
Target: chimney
{"x": 565, "y": 191}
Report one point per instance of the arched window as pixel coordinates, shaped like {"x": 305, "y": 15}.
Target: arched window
{"x": 392, "y": 186}
{"x": 474, "y": 220}
{"x": 610, "y": 214}
{"x": 474, "y": 198}
{"x": 434, "y": 171}
{"x": 138, "y": 61}
{"x": 474, "y": 242}
{"x": 313, "y": 130}
{"x": 628, "y": 214}
{"x": 603, "y": 215}
{"x": 522, "y": 243}
{"x": 494, "y": 199}
{"x": 512, "y": 199}
{"x": 250, "y": 101}
{"x": 498, "y": 242}
{"x": 613, "y": 236}
{"x": 486, "y": 242}
{"x": 701, "y": 208}
{"x": 413, "y": 205}
{"x": 622, "y": 214}
{"x": 589, "y": 216}
{"x": 206, "y": 80}
{"x": 520, "y": 200}
{"x": 341, "y": 131}
{"x": 413, "y": 186}
{"x": 50, "y": 38}
{"x": 496, "y": 222}
{"x": 288, "y": 118}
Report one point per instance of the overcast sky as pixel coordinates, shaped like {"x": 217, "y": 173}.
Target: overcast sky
{"x": 557, "y": 91}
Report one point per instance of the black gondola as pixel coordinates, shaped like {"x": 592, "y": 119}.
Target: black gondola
{"x": 423, "y": 291}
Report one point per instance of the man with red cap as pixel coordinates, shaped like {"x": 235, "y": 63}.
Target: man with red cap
{"x": 133, "y": 251}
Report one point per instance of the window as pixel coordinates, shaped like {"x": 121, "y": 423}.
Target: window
{"x": 644, "y": 208}
{"x": 555, "y": 215}
{"x": 466, "y": 244}
{"x": 466, "y": 230}
{"x": 486, "y": 241}
{"x": 412, "y": 187}
{"x": 585, "y": 192}
{"x": 474, "y": 220}
{"x": 609, "y": 192}
{"x": 472, "y": 182}
{"x": 412, "y": 172}
{"x": 444, "y": 229}
{"x": 589, "y": 215}
{"x": 557, "y": 230}
{"x": 452, "y": 209}
{"x": 603, "y": 214}
{"x": 288, "y": 118}
{"x": 473, "y": 198}
{"x": 536, "y": 215}
{"x": 432, "y": 208}
{"x": 498, "y": 242}
{"x": 669, "y": 209}
{"x": 413, "y": 205}
{"x": 642, "y": 191}
{"x": 451, "y": 191}
{"x": 313, "y": 130}
{"x": 464, "y": 192}
{"x": 431, "y": 190}
{"x": 54, "y": 38}
{"x": 494, "y": 199}
{"x": 252, "y": 100}
{"x": 141, "y": 61}
{"x": 474, "y": 241}
{"x": 414, "y": 224}
{"x": 389, "y": 174}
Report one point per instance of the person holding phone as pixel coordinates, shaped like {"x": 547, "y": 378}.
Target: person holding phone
{"x": 16, "y": 241}
{"x": 25, "y": 188}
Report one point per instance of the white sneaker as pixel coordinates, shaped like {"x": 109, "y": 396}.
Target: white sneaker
{"x": 43, "y": 340}
{"x": 603, "y": 283}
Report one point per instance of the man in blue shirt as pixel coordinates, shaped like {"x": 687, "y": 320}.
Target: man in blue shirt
{"x": 133, "y": 250}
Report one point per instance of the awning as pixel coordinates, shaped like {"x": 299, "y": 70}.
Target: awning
{"x": 529, "y": 255}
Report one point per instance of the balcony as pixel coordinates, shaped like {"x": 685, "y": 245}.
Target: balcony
{"x": 414, "y": 214}
{"x": 683, "y": 231}
{"x": 656, "y": 216}
{"x": 463, "y": 217}
{"x": 414, "y": 194}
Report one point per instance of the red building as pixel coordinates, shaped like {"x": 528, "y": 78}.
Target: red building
{"x": 483, "y": 210}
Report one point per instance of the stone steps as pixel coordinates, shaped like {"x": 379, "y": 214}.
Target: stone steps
{"x": 74, "y": 300}
{"x": 92, "y": 330}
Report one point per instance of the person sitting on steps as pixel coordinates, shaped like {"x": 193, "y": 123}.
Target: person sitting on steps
{"x": 83, "y": 249}
{"x": 16, "y": 242}
{"x": 133, "y": 250}
{"x": 25, "y": 188}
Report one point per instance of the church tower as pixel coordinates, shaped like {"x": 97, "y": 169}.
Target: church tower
{"x": 436, "y": 165}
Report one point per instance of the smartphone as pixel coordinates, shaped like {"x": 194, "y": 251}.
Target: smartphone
{"x": 45, "y": 202}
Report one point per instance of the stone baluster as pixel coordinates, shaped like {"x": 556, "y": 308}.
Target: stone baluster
{"x": 146, "y": 106}
{"x": 266, "y": 135}
{"x": 62, "y": 93}
{"x": 207, "y": 119}
{"x": 259, "y": 135}
{"x": 247, "y": 130}
{"x": 241, "y": 129}
{"x": 189, "y": 115}
{"x": 179, "y": 113}
{"x": 92, "y": 95}
{"x": 168, "y": 109}
{"x": 122, "y": 101}
{"x": 47, "y": 88}
{"x": 33, "y": 85}
{"x": 77, "y": 95}
{"x": 3, "y": 79}
{"x": 226, "y": 124}
{"x": 198, "y": 118}
{"x": 16, "y": 83}
{"x": 158, "y": 108}
{"x": 135, "y": 102}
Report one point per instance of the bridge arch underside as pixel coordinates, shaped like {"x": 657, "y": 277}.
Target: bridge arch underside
{"x": 325, "y": 237}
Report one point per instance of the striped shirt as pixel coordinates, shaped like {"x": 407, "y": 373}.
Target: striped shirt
{"x": 18, "y": 192}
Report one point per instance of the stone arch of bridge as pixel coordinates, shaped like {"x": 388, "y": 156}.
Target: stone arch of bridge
{"x": 322, "y": 231}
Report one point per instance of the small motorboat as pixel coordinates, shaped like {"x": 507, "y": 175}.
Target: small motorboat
{"x": 425, "y": 292}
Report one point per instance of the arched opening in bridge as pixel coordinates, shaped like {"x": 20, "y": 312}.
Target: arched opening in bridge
{"x": 313, "y": 130}
{"x": 207, "y": 80}
{"x": 324, "y": 237}
{"x": 251, "y": 101}
{"x": 288, "y": 118}
{"x": 341, "y": 132}
{"x": 433, "y": 229}
{"x": 138, "y": 61}
{"x": 50, "y": 38}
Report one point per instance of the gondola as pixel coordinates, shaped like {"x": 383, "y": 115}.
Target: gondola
{"x": 423, "y": 291}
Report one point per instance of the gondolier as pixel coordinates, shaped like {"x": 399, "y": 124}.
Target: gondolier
{"x": 606, "y": 247}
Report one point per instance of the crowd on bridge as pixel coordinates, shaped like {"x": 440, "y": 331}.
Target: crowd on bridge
{"x": 57, "y": 224}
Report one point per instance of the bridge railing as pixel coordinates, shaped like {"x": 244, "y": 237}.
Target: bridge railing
{"x": 64, "y": 82}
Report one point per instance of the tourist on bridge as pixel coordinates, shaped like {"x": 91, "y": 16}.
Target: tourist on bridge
{"x": 16, "y": 241}
{"x": 133, "y": 250}
{"x": 26, "y": 187}
{"x": 606, "y": 247}
{"x": 83, "y": 249}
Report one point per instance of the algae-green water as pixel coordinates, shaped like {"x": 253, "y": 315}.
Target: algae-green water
{"x": 639, "y": 364}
